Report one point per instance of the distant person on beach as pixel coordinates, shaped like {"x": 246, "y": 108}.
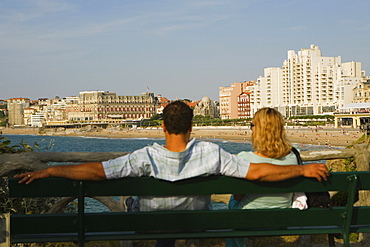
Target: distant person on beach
{"x": 270, "y": 146}
{"x": 179, "y": 159}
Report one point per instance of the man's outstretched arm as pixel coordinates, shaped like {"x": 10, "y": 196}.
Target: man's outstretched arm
{"x": 271, "y": 173}
{"x": 86, "y": 171}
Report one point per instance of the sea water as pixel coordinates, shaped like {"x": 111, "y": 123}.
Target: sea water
{"x": 92, "y": 144}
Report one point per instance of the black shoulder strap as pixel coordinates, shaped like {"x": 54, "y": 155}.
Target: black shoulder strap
{"x": 299, "y": 159}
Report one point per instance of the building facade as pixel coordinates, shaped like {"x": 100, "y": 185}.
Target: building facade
{"x": 267, "y": 91}
{"x": 89, "y": 106}
{"x": 361, "y": 93}
{"x": 244, "y": 105}
{"x": 310, "y": 82}
{"x": 206, "y": 107}
{"x": 100, "y": 106}
{"x": 15, "y": 107}
{"x": 229, "y": 102}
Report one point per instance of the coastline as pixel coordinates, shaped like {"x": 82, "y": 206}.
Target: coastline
{"x": 298, "y": 135}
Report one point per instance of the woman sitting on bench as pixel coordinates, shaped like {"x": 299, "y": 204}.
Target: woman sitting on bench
{"x": 271, "y": 146}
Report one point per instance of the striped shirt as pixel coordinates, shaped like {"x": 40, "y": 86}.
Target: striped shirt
{"x": 198, "y": 159}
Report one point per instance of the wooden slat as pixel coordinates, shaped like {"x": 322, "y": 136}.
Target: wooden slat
{"x": 169, "y": 220}
{"x": 201, "y": 185}
{"x": 49, "y": 187}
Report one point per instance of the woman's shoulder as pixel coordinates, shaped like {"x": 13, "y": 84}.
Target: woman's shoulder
{"x": 251, "y": 156}
{"x": 245, "y": 153}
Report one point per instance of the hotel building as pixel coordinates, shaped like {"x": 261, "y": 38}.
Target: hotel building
{"x": 100, "y": 106}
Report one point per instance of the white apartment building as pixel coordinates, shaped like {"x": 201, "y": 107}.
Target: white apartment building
{"x": 352, "y": 76}
{"x": 267, "y": 91}
{"x": 37, "y": 119}
{"x": 56, "y": 110}
{"x": 310, "y": 82}
{"x": 307, "y": 84}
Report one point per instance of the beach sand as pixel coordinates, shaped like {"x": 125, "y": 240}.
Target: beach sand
{"x": 298, "y": 135}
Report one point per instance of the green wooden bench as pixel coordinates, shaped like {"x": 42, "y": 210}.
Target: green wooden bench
{"x": 81, "y": 227}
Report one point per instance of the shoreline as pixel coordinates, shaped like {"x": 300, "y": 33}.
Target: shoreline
{"x": 298, "y": 135}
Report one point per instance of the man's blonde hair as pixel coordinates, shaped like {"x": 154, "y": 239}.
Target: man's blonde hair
{"x": 268, "y": 136}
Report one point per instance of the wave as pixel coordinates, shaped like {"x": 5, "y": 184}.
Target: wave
{"x": 123, "y": 138}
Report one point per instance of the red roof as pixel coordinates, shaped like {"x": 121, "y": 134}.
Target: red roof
{"x": 17, "y": 98}
{"x": 192, "y": 104}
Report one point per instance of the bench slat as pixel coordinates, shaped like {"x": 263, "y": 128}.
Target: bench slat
{"x": 57, "y": 187}
{"x": 180, "y": 220}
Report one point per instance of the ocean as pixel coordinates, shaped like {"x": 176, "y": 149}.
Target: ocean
{"x": 90, "y": 144}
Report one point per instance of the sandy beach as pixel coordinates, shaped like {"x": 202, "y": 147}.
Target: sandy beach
{"x": 299, "y": 135}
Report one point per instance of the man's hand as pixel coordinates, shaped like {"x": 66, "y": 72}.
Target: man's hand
{"x": 317, "y": 170}
{"x": 28, "y": 177}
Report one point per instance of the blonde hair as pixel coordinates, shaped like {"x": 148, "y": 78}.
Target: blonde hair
{"x": 268, "y": 136}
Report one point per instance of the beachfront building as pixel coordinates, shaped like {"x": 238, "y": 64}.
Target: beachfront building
{"x": 27, "y": 115}
{"x": 161, "y": 104}
{"x": 15, "y": 107}
{"x": 37, "y": 119}
{"x": 352, "y": 76}
{"x": 206, "y": 107}
{"x": 310, "y": 82}
{"x": 313, "y": 84}
{"x": 244, "y": 105}
{"x": 56, "y": 111}
{"x": 306, "y": 84}
{"x": 361, "y": 92}
{"x": 101, "y": 106}
{"x": 355, "y": 115}
{"x": 230, "y": 103}
{"x": 266, "y": 92}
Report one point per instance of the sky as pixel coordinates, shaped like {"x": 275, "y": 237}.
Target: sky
{"x": 179, "y": 49}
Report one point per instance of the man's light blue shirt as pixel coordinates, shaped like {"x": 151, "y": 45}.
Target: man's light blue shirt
{"x": 198, "y": 159}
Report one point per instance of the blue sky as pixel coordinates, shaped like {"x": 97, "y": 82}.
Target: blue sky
{"x": 180, "y": 49}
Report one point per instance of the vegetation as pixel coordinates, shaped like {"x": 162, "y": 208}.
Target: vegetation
{"x": 311, "y": 120}
{"x": 7, "y": 147}
{"x": 325, "y": 117}
{"x": 3, "y": 119}
{"x": 19, "y": 205}
{"x": 211, "y": 121}
{"x": 154, "y": 121}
